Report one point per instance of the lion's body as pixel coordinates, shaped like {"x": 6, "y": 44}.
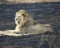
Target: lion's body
{"x": 38, "y": 29}
{"x": 26, "y": 24}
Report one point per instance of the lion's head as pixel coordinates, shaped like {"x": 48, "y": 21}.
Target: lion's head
{"x": 22, "y": 16}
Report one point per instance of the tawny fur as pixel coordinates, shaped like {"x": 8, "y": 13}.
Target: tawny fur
{"x": 26, "y": 24}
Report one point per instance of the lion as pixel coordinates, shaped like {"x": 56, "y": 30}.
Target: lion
{"x": 25, "y": 24}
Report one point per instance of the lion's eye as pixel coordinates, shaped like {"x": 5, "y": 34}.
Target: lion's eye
{"x": 19, "y": 17}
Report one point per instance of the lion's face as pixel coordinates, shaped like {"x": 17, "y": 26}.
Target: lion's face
{"x": 20, "y": 16}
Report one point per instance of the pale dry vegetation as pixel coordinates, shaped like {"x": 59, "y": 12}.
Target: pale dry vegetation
{"x": 25, "y": 1}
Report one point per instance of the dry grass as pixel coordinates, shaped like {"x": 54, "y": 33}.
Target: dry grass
{"x": 26, "y": 1}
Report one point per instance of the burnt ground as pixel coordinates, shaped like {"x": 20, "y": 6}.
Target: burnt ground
{"x": 43, "y": 13}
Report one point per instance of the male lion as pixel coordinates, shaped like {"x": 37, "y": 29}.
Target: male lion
{"x": 25, "y": 24}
